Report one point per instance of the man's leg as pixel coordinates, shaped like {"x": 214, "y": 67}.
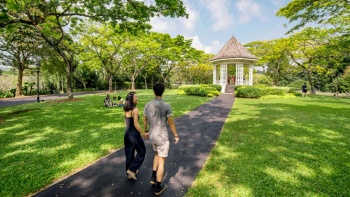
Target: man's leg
{"x": 160, "y": 172}
{"x": 154, "y": 170}
{"x": 160, "y": 169}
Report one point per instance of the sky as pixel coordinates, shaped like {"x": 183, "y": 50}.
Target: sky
{"x": 212, "y": 23}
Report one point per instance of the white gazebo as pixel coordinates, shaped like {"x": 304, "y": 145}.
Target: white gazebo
{"x": 233, "y": 54}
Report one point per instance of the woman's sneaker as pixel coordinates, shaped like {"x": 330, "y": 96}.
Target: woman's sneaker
{"x": 159, "y": 190}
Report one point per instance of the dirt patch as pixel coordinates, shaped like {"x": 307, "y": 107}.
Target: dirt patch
{"x": 67, "y": 100}
{"x": 23, "y": 111}
{"x": 1, "y": 120}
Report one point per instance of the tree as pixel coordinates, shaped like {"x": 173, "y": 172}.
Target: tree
{"x": 314, "y": 53}
{"x": 18, "y": 49}
{"x": 273, "y": 54}
{"x": 103, "y": 44}
{"x": 137, "y": 53}
{"x": 53, "y": 19}
{"x": 334, "y": 13}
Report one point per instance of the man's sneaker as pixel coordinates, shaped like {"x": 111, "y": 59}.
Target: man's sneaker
{"x": 153, "y": 181}
{"x": 131, "y": 174}
{"x": 159, "y": 190}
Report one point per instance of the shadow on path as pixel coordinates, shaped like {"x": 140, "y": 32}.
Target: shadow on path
{"x": 198, "y": 131}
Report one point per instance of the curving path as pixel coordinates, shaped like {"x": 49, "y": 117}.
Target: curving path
{"x": 198, "y": 131}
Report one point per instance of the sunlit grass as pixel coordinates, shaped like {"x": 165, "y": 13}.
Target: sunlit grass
{"x": 42, "y": 142}
{"x": 280, "y": 147}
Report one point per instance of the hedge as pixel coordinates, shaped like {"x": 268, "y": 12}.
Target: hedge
{"x": 199, "y": 90}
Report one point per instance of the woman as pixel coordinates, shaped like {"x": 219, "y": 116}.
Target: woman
{"x": 132, "y": 137}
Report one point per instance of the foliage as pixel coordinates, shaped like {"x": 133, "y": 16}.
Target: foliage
{"x": 216, "y": 86}
{"x": 262, "y": 79}
{"x": 6, "y": 94}
{"x": 335, "y": 13}
{"x": 249, "y": 92}
{"x": 258, "y": 92}
{"x": 199, "y": 90}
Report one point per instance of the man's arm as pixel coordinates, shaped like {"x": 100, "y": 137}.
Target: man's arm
{"x": 173, "y": 128}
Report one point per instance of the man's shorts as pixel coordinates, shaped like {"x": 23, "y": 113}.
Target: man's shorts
{"x": 162, "y": 150}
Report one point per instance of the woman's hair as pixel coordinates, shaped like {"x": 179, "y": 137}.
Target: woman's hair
{"x": 129, "y": 102}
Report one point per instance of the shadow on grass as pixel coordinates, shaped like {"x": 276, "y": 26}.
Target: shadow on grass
{"x": 296, "y": 147}
{"x": 41, "y": 146}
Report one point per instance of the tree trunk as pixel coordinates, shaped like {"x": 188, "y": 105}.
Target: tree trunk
{"x": 146, "y": 82}
{"x": 110, "y": 83}
{"x": 133, "y": 83}
{"x": 19, "y": 82}
{"x": 69, "y": 80}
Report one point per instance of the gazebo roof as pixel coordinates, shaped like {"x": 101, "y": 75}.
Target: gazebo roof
{"x": 233, "y": 50}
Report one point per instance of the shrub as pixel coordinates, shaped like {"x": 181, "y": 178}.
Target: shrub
{"x": 249, "y": 92}
{"x": 198, "y": 90}
{"x": 260, "y": 91}
{"x": 273, "y": 91}
{"x": 6, "y": 94}
{"x": 216, "y": 86}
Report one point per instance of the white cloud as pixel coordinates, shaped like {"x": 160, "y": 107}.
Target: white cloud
{"x": 219, "y": 10}
{"x": 162, "y": 25}
{"x": 193, "y": 17}
{"x": 248, "y": 9}
{"x": 196, "y": 43}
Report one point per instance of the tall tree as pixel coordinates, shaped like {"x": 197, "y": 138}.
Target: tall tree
{"x": 330, "y": 12}
{"x": 103, "y": 44}
{"x": 52, "y": 19}
{"x": 18, "y": 49}
{"x": 137, "y": 53}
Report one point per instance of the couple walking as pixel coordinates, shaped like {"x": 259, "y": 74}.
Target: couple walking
{"x": 157, "y": 114}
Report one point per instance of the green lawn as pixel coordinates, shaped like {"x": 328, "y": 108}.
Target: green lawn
{"x": 286, "y": 147}
{"x": 42, "y": 142}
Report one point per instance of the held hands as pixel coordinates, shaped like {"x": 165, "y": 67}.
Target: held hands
{"x": 145, "y": 134}
{"x": 177, "y": 139}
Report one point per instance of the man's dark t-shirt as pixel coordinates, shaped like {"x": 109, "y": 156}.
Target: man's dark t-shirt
{"x": 304, "y": 88}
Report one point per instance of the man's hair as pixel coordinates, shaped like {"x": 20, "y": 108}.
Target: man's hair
{"x": 119, "y": 97}
{"x": 158, "y": 88}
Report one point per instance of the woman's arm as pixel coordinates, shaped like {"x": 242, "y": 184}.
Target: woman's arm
{"x": 136, "y": 123}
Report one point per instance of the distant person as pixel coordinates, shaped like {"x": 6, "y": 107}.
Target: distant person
{"x": 114, "y": 101}
{"x": 120, "y": 102}
{"x": 158, "y": 114}
{"x": 304, "y": 90}
{"x": 132, "y": 137}
{"x": 346, "y": 93}
{"x": 108, "y": 102}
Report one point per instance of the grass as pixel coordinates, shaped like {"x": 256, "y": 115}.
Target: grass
{"x": 43, "y": 142}
{"x": 280, "y": 147}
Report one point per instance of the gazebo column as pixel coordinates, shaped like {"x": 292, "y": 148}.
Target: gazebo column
{"x": 214, "y": 74}
{"x": 223, "y": 76}
{"x": 239, "y": 74}
{"x": 251, "y": 67}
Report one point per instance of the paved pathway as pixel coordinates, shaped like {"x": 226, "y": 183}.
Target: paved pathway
{"x": 198, "y": 131}
{"x": 32, "y": 99}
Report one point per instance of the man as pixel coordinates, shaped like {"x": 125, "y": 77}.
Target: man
{"x": 157, "y": 114}
{"x": 304, "y": 89}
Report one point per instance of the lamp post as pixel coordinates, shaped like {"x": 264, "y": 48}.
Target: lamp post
{"x": 37, "y": 73}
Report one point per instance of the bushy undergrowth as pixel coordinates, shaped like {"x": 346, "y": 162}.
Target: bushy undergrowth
{"x": 200, "y": 90}
{"x": 260, "y": 91}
